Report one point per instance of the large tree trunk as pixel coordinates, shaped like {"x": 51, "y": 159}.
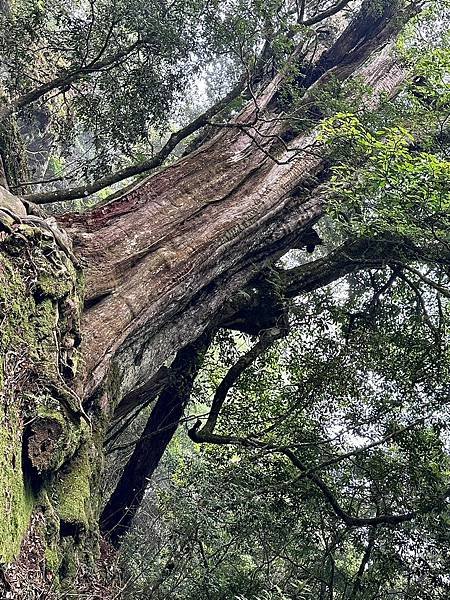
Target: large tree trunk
{"x": 156, "y": 268}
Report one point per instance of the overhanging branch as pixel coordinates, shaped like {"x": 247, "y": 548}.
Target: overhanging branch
{"x": 321, "y": 16}
{"x": 69, "y": 77}
{"x": 267, "y": 338}
{"x": 200, "y": 436}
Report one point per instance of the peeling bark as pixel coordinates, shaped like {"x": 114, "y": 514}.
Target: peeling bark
{"x": 227, "y": 208}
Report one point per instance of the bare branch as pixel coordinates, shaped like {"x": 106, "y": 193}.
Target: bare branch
{"x": 325, "y": 14}
{"x": 439, "y": 288}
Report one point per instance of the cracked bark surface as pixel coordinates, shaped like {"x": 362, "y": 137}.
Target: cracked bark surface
{"x": 195, "y": 233}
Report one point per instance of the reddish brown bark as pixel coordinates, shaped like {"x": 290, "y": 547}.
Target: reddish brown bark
{"x": 163, "y": 258}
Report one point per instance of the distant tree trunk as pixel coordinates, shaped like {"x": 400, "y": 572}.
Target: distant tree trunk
{"x": 86, "y": 332}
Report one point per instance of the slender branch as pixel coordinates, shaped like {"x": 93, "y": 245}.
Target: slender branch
{"x": 370, "y": 309}
{"x": 167, "y": 427}
{"x": 337, "y": 509}
{"x": 439, "y": 288}
{"x": 206, "y": 434}
{"x": 266, "y": 340}
{"x": 301, "y": 10}
{"x": 325, "y": 14}
{"x": 364, "y": 562}
{"x": 364, "y": 449}
{"x": 421, "y": 302}
{"x": 200, "y": 436}
{"x": 144, "y": 167}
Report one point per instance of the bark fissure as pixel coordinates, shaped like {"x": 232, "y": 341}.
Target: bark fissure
{"x": 195, "y": 243}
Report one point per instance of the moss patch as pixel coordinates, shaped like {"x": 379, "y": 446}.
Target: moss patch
{"x": 49, "y": 457}
{"x": 52, "y": 559}
{"x": 73, "y": 490}
{"x": 16, "y": 499}
{"x": 39, "y": 307}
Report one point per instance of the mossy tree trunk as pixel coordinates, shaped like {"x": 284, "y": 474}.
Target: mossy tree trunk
{"x": 88, "y": 324}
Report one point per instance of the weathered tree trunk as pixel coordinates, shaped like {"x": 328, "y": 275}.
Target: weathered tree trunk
{"x": 154, "y": 268}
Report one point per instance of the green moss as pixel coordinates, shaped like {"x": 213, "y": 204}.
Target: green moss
{"x": 64, "y": 436}
{"x": 45, "y": 319}
{"x": 16, "y": 499}
{"x": 48, "y": 286}
{"x": 69, "y": 563}
{"x": 49, "y": 535}
{"x": 32, "y": 292}
{"x": 16, "y": 304}
{"x": 73, "y": 490}
{"x": 51, "y": 518}
{"x": 52, "y": 559}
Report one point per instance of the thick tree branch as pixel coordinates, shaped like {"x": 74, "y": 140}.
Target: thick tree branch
{"x": 254, "y": 308}
{"x": 351, "y": 256}
{"x": 161, "y": 425}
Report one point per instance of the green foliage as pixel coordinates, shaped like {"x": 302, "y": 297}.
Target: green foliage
{"x": 115, "y": 115}
{"x": 359, "y": 390}
{"x": 241, "y": 523}
{"x": 388, "y": 188}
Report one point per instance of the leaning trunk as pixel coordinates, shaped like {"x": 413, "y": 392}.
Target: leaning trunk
{"x": 87, "y": 328}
